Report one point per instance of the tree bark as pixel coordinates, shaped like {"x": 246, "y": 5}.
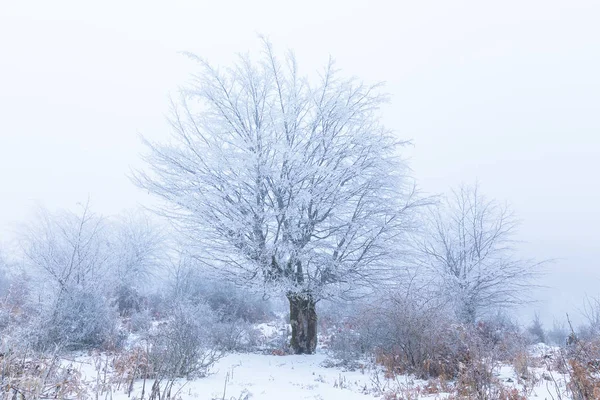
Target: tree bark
{"x": 303, "y": 318}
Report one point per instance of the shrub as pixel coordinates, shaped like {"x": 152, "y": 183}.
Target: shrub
{"x": 5, "y": 318}
{"x": 185, "y": 346}
{"x": 158, "y": 305}
{"x": 406, "y": 334}
{"x": 412, "y": 335}
{"x": 337, "y": 314}
{"x": 230, "y": 301}
{"x": 4, "y": 280}
{"x": 558, "y": 334}
{"x": 503, "y": 336}
{"x": 237, "y": 335}
{"x": 582, "y": 359}
{"x": 234, "y": 303}
{"x": 536, "y": 331}
{"x": 128, "y": 366}
{"x": 13, "y": 301}
{"x": 140, "y": 321}
{"x": 346, "y": 346}
{"x": 78, "y": 319}
{"x": 128, "y": 300}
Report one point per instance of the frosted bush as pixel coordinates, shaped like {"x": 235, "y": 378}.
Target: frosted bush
{"x": 185, "y": 345}
{"x": 140, "y": 321}
{"x": 78, "y": 318}
{"x": 229, "y": 301}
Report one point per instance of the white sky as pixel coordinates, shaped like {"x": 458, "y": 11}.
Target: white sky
{"x": 507, "y": 92}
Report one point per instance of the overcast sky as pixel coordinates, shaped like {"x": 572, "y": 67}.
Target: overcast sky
{"x": 507, "y": 93}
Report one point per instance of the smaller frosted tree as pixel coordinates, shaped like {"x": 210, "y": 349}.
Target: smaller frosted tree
{"x": 68, "y": 248}
{"x": 69, "y": 254}
{"x": 536, "y": 330}
{"x": 137, "y": 252}
{"x": 468, "y": 249}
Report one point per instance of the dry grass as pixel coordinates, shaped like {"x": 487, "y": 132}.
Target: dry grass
{"x": 35, "y": 376}
{"x": 583, "y": 360}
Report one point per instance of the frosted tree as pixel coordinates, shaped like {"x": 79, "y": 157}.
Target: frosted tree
{"x": 68, "y": 248}
{"x": 284, "y": 182}
{"x": 469, "y": 250}
{"x": 70, "y": 256}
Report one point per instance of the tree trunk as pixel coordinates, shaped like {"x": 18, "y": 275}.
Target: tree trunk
{"x": 303, "y": 318}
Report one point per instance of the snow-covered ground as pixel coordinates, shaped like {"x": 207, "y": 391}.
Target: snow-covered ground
{"x": 291, "y": 377}
{"x": 267, "y": 376}
{"x": 260, "y": 376}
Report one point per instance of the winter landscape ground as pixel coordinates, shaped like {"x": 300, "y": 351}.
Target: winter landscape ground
{"x": 268, "y": 374}
{"x": 258, "y": 376}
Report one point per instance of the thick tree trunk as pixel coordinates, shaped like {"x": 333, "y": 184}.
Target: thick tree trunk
{"x": 303, "y": 318}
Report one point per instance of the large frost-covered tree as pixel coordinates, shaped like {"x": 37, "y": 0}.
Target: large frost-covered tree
{"x": 279, "y": 180}
{"x": 469, "y": 250}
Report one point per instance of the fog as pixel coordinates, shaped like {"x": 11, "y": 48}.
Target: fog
{"x": 505, "y": 93}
